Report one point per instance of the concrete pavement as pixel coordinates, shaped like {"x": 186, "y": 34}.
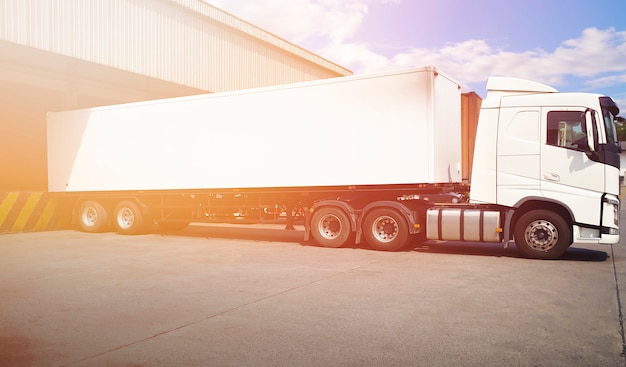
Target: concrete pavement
{"x": 250, "y": 296}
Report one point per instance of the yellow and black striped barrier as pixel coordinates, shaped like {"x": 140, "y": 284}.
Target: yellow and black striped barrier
{"x": 32, "y": 211}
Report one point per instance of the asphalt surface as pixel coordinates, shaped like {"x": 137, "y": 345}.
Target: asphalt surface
{"x": 257, "y": 296}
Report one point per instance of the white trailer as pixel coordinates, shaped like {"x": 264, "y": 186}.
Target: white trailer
{"x": 358, "y": 130}
{"x": 357, "y": 155}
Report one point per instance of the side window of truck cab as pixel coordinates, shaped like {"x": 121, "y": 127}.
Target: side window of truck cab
{"x": 567, "y": 130}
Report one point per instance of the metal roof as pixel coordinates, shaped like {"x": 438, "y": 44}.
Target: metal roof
{"x": 188, "y": 42}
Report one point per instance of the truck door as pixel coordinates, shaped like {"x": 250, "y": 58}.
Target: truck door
{"x": 567, "y": 173}
{"x": 519, "y": 151}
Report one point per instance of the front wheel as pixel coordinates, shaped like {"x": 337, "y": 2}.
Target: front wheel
{"x": 330, "y": 227}
{"x": 385, "y": 230}
{"x": 129, "y": 219}
{"x": 542, "y": 234}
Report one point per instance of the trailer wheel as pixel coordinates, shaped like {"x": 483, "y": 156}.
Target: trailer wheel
{"x": 93, "y": 217}
{"x": 385, "y": 230}
{"x": 542, "y": 234}
{"x": 330, "y": 227}
{"x": 129, "y": 218}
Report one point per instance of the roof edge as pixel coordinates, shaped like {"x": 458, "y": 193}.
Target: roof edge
{"x": 250, "y": 29}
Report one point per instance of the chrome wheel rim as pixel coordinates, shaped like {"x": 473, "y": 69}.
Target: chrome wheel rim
{"x": 125, "y": 218}
{"x": 385, "y": 229}
{"x": 90, "y": 216}
{"x": 330, "y": 227}
{"x": 541, "y": 235}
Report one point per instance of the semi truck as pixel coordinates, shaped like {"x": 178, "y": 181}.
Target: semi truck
{"x": 372, "y": 159}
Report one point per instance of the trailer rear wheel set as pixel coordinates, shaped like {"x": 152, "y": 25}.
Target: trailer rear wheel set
{"x": 125, "y": 217}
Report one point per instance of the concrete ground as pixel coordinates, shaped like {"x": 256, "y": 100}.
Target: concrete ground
{"x": 256, "y": 296}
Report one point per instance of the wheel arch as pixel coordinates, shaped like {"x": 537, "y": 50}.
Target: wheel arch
{"x": 530, "y": 204}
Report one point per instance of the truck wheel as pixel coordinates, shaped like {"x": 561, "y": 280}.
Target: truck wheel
{"x": 128, "y": 218}
{"x": 93, "y": 217}
{"x": 385, "y": 230}
{"x": 542, "y": 234}
{"x": 330, "y": 227}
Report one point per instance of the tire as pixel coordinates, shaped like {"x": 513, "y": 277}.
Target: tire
{"x": 385, "y": 230}
{"x": 93, "y": 217}
{"x": 330, "y": 227}
{"x": 173, "y": 225}
{"x": 129, "y": 219}
{"x": 541, "y": 234}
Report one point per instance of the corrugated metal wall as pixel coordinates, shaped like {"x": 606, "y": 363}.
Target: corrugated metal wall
{"x": 67, "y": 54}
{"x": 186, "y": 42}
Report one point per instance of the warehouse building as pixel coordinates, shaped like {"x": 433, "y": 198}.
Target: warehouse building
{"x": 66, "y": 54}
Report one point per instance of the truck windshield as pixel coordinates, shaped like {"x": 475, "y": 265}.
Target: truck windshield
{"x": 609, "y": 113}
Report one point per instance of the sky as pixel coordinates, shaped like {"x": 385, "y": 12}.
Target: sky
{"x": 572, "y": 45}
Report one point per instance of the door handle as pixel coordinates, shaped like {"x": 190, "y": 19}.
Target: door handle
{"x": 551, "y": 177}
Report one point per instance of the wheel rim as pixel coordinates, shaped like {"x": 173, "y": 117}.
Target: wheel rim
{"x": 330, "y": 227}
{"x": 125, "y": 218}
{"x": 90, "y": 216}
{"x": 541, "y": 235}
{"x": 385, "y": 229}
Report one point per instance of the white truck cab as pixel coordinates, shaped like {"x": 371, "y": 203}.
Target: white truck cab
{"x": 552, "y": 157}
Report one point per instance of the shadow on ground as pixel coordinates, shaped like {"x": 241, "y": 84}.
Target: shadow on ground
{"x": 260, "y": 233}
{"x": 498, "y": 250}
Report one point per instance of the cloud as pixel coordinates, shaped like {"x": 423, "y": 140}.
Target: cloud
{"x": 591, "y": 56}
{"x": 596, "y": 83}
{"x": 596, "y": 59}
{"x": 301, "y": 20}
